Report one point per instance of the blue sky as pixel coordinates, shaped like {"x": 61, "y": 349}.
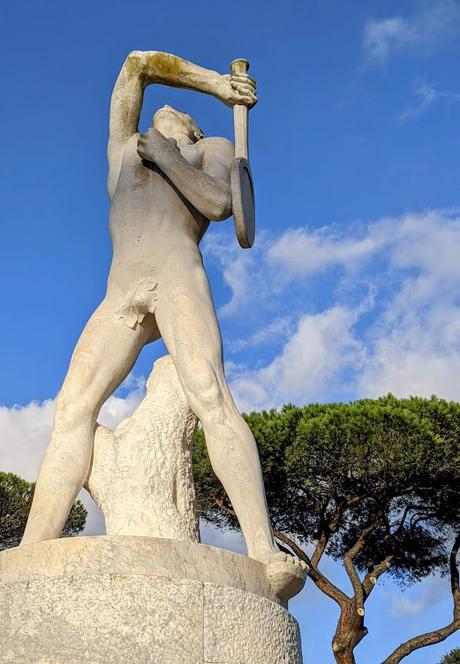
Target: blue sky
{"x": 352, "y": 287}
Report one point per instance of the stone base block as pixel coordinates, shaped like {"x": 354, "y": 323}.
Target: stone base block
{"x": 126, "y": 600}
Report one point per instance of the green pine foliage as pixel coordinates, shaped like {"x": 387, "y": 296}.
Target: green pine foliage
{"x": 385, "y": 465}
{"x": 15, "y": 500}
{"x": 452, "y": 657}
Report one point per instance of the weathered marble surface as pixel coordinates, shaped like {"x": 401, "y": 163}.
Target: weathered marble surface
{"x": 141, "y": 474}
{"x": 137, "y": 600}
{"x": 130, "y": 597}
{"x": 165, "y": 186}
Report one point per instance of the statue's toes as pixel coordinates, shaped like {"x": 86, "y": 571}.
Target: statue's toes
{"x": 279, "y": 557}
{"x": 286, "y": 577}
{"x": 296, "y": 561}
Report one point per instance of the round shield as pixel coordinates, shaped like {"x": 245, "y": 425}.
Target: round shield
{"x": 243, "y": 202}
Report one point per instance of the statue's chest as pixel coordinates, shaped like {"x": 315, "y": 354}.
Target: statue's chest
{"x": 134, "y": 164}
{"x": 142, "y": 183}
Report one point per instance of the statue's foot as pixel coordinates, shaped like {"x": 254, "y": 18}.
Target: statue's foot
{"x": 286, "y": 573}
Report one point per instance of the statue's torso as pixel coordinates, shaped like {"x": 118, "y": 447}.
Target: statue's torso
{"x": 149, "y": 218}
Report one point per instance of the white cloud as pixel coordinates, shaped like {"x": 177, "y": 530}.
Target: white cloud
{"x": 238, "y": 270}
{"x": 300, "y": 253}
{"x": 425, "y": 95}
{"x": 260, "y": 277}
{"x": 380, "y": 36}
{"x": 281, "y": 327}
{"x": 116, "y": 409}
{"x": 428, "y": 28}
{"x": 416, "y": 342}
{"x": 321, "y": 346}
{"x": 25, "y": 432}
{"x": 413, "y": 601}
{"x": 400, "y": 274}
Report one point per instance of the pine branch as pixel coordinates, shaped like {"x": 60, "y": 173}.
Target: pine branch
{"x": 326, "y": 531}
{"x": 351, "y": 569}
{"x": 295, "y": 548}
{"x": 320, "y": 581}
{"x": 370, "y": 580}
{"x": 319, "y": 549}
{"x": 221, "y": 505}
{"x": 437, "y": 635}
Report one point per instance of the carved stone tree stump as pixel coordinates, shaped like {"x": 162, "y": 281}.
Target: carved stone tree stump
{"x": 141, "y": 474}
{"x": 148, "y": 592}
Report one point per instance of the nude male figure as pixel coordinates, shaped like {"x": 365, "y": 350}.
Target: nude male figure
{"x": 164, "y": 187}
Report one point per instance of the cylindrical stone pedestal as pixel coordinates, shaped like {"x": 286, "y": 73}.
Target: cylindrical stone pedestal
{"x": 136, "y": 600}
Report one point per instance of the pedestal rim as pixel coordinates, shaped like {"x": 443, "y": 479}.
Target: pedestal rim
{"x": 136, "y": 555}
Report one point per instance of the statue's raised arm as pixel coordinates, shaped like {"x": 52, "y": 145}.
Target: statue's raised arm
{"x": 143, "y": 68}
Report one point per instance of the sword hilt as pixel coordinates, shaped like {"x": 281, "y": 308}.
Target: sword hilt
{"x": 240, "y": 113}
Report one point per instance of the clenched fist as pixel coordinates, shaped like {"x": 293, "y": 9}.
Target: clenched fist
{"x": 237, "y": 89}
{"x": 152, "y": 145}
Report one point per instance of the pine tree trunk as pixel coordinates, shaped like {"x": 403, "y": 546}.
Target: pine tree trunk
{"x": 350, "y": 630}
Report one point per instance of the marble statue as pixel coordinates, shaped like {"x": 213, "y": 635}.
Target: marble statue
{"x": 164, "y": 186}
{"x": 148, "y": 591}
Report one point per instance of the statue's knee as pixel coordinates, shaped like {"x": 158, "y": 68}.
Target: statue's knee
{"x": 206, "y": 396}
{"x": 72, "y": 411}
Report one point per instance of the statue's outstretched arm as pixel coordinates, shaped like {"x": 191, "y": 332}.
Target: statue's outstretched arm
{"x": 142, "y": 68}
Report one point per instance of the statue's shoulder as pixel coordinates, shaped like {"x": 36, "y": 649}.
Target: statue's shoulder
{"x": 218, "y": 145}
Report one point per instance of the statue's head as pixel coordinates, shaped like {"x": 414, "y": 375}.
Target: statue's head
{"x": 174, "y": 124}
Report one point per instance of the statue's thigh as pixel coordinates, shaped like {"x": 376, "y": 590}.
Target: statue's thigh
{"x": 187, "y": 321}
{"x": 103, "y": 356}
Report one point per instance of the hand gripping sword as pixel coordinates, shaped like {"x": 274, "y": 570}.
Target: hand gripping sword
{"x": 240, "y": 175}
